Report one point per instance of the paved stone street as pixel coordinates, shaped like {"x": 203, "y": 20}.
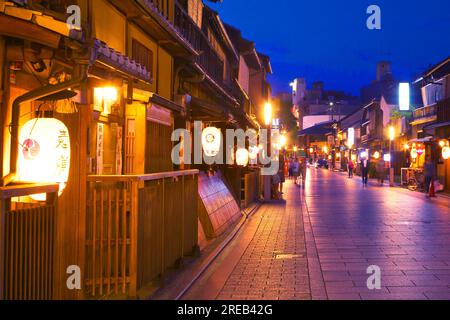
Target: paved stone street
{"x": 319, "y": 244}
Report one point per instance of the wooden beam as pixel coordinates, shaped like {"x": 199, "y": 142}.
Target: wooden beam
{"x": 23, "y": 190}
{"x": 16, "y": 28}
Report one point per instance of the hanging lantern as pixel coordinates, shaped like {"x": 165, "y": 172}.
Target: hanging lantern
{"x": 446, "y": 152}
{"x": 211, "y": 141}
{"x": 242, "y": 157}
{"x": 414, "y": 153}
{"x": 377, "y": 155}
{"x": 420, "y": 151}
{"x": 387, "y": 157}
{"x": 44, "y": 153}
{"x": 253, "y": 153}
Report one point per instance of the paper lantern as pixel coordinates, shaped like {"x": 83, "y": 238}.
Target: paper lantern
{"x": 414, "y": 153}
{"x": 242, "y": 157}
{"x": 377, "y": 155}
{"x": 446, "y": 153}
{"x": 387, "y": 157}
{"x": 253, "y": 153}
{"x": 351, "y": 137}
{"x": 211, "y": 141}
{"x": 44, "y": 153}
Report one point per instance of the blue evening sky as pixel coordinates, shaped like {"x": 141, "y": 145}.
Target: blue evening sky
{"x": 328, "y": 40}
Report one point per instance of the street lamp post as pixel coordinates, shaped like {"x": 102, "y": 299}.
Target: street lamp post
{"x": 391, "y": 168}
{"x": 267, "y": 178}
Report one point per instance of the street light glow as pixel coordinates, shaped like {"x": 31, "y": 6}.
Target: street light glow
{"x": 283, "y": 140}
{"x": 391, "y": 133}
{"x": 351, "y": 137}
{"x": 404, "y": 97}
{"x": 268, "y": 113}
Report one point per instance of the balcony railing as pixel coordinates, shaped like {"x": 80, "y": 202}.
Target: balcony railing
{"x": 208, "y": 59}
{"x": 27, "y": 243}
{"x": 425, "y": 112}
{"x": 138, "y": 226}
{"x": 164, "y": 7}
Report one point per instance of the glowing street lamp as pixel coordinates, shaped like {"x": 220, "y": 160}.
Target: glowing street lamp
{"x": 391, "y": 133}
{"x": 391, "y": 169}
{"x": 283, "y": 141}
{"x": 268, "y": 113}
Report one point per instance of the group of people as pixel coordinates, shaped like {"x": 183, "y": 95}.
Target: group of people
{"x": 380, "y": 169}
{"x": 297, "y": 171}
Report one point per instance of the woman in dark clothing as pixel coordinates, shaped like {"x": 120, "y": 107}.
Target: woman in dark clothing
{"x": 365, "y": 165}
{"x": 429, "y": 173}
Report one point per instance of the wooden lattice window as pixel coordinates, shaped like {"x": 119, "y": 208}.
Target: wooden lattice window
{"x": 143, "y": 55}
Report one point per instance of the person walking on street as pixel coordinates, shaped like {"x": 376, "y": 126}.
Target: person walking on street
{"x": 296, "y": 170}
{"x": 281, "y": 171}
{"x": 365, "y": 165}
{"x": 429, "y": 173}
{"x": 291, "y": 168}
{"x": 381, "y": 171}
{"x": 351, "y": 167}
{"x": 303, "y": 170}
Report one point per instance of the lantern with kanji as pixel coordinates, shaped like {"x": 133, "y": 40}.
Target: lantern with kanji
{"x": 44, "y": 153}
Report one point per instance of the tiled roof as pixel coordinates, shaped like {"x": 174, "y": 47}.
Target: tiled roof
{"x": 120, "y": 61}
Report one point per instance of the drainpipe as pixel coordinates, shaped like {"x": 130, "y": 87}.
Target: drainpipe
{"x": 31, "y": 96}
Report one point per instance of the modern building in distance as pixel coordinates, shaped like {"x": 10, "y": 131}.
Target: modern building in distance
{"x": 315, "y": 106}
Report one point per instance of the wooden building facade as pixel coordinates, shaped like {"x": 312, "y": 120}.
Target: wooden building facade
{"x": 114, "y": 89}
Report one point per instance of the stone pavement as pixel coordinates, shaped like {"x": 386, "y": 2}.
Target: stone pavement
{"x": 402, "y": 232}
{"x": 319, "y": 244}
{"x": 270, "y": 261}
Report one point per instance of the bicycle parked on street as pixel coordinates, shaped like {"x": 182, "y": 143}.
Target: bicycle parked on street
{"x": 417, "y": 182}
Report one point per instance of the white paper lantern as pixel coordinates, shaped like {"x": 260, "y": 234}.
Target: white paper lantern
{"x": 242, "y": 157}
{"x": 44, "y": 153}
{"x": 446, "y": 153}
{"x": 253, "y": 153}
{"x": 211, "y": 141}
